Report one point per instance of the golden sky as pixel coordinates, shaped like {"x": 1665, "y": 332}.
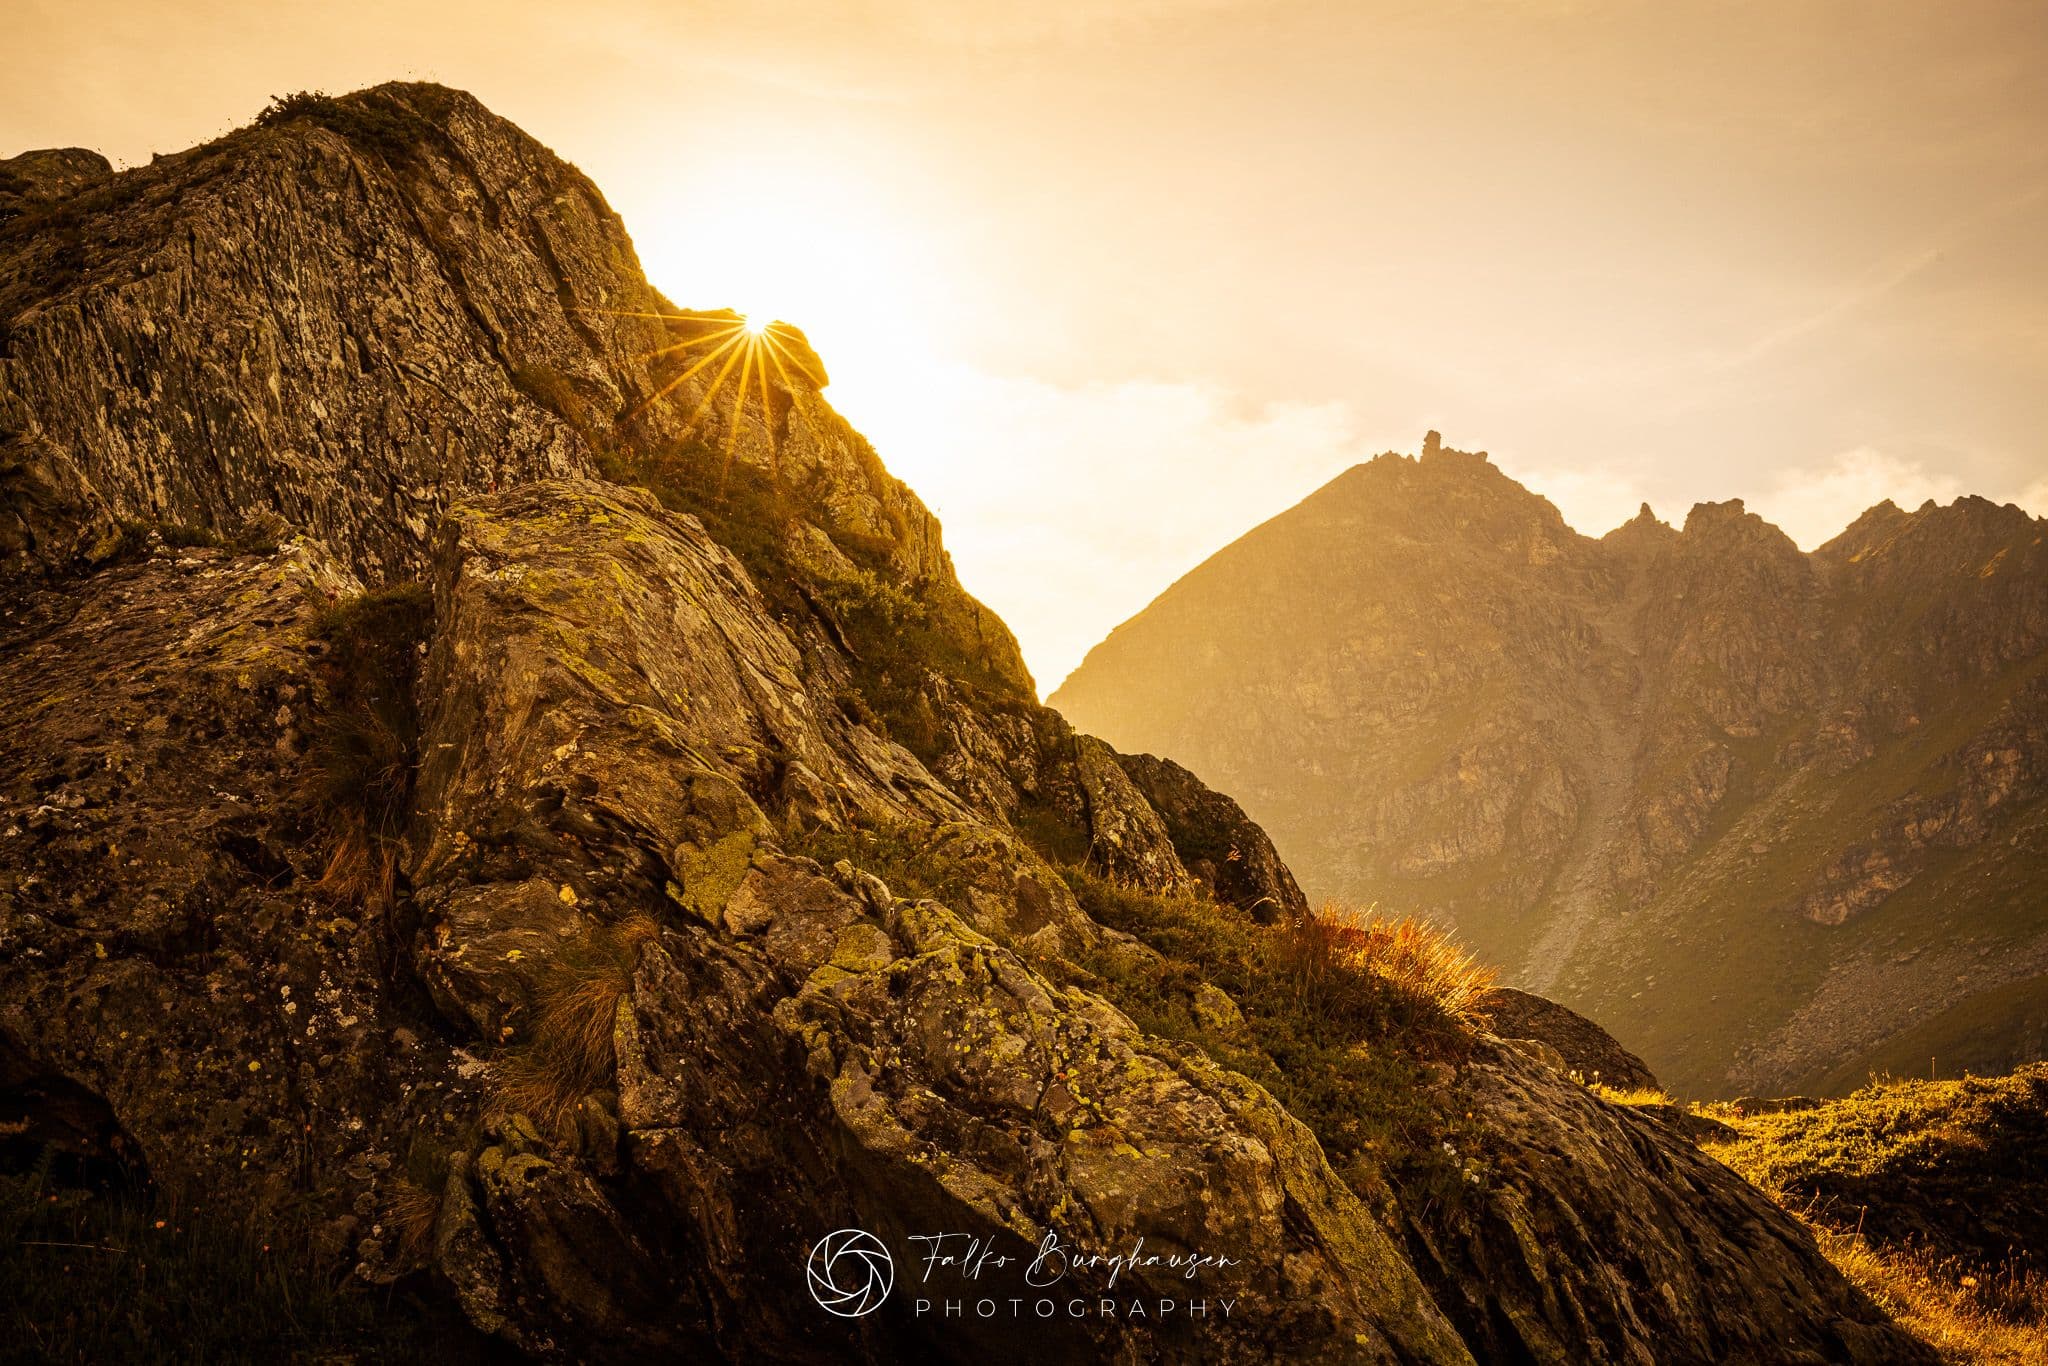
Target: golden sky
{"x": 1108, "y": 282}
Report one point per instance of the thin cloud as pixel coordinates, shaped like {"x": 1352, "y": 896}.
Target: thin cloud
{"x": 1592, "y": 501}
{"x": 1685, "y": 379}
{"x": 1814, "y": 504}
{"x": 1884, "y": 278}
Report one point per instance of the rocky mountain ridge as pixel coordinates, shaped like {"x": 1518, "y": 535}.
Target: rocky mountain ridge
{"x": 1756, "y": 810}
{"x": 517, "y": 833}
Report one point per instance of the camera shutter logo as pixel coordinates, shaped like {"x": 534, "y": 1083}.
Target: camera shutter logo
{"x": 851, "y": 1273}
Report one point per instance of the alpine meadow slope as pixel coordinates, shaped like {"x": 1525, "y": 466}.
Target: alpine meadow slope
{"x": 1774, "y": 818}
{"x": 522, "y": 859}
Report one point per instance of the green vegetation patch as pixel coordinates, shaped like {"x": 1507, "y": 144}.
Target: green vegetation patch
{"x": 375, "y": 124}
{"x": 1927, "y": 1195}
{"x": 1341, "y": 1048}
{"x": 1953, "y": 1165}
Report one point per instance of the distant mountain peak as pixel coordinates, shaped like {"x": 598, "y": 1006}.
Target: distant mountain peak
{"x": 1646, "y": 530}
{"x": 1433, "y": 448}
{"x": 1573, "y": 748}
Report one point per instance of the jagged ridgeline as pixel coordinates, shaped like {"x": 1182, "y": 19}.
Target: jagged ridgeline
{"x": 475, "y": 841}
{"x": 1778, "y": 819}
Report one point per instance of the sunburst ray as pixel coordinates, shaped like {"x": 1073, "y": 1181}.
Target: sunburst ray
{"x": 658, "y": 394}
{"x": 809, "y": 373}
{"x": 750, "y": 346}
{"x": 768, "y": 407}
{"x": 686, "y": 343}
{"x": 718, "y": 382}
{"x": 739, "y": 396}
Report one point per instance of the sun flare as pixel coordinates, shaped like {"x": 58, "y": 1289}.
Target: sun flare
{"x": 858, "y": 253}
{"x": 742, "y": 341}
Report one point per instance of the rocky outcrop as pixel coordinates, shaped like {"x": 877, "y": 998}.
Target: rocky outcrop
{"x": 1567, "y": 1190}
{"x": 686, "y": 873}
{"x": 1215, "y": 839}
{"x": 164, "y": 946}
{"x": 1584, "y": 1048}
{"x": 881, "y": 1062}
{"x": 1632, "y": 769}
{"x": 36, "y": 178}
{"x": 384, "y": 303}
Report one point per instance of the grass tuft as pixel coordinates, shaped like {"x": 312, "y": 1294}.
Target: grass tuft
{"x": 1411, "y": 956}
{"x": 1636, "y": 1095}
{"x": 569, "y": 1051}
{"x": 413, "y": 1210}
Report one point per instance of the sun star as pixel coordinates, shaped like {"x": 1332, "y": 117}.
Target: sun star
{"x": 746, "y": 342}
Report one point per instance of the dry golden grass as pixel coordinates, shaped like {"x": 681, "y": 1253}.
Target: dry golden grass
{"x": 359, "y": 770}
{"x": 569, "y": 1052}
{"x": 1639, "y": 1095}
{"x": 534, "y": 1081}
{"x": 1890, "y": 1180}
{"x": 362, "y": 868}
{"x": 1967, "y": 1316}
{"x": 1415, "y": 958}
{"x": 1309, "y": 952}
{"x": 413, "y": 1211}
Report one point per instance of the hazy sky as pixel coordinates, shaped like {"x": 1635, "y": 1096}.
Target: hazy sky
{"x": 1108, "y": 283}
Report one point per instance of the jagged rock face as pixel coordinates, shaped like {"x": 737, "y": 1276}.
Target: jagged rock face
{"x": 651, "y": 1047}
{"x": 1212, "y": 836}
{"x": 161, "y": 945}
{"x": 294, "y": 327}
{"x": 1756, "y": 810}
{"x": 380, "y": 303}
{"x": 1534, "y": 1241}
{"x": 882, "y": 1063}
